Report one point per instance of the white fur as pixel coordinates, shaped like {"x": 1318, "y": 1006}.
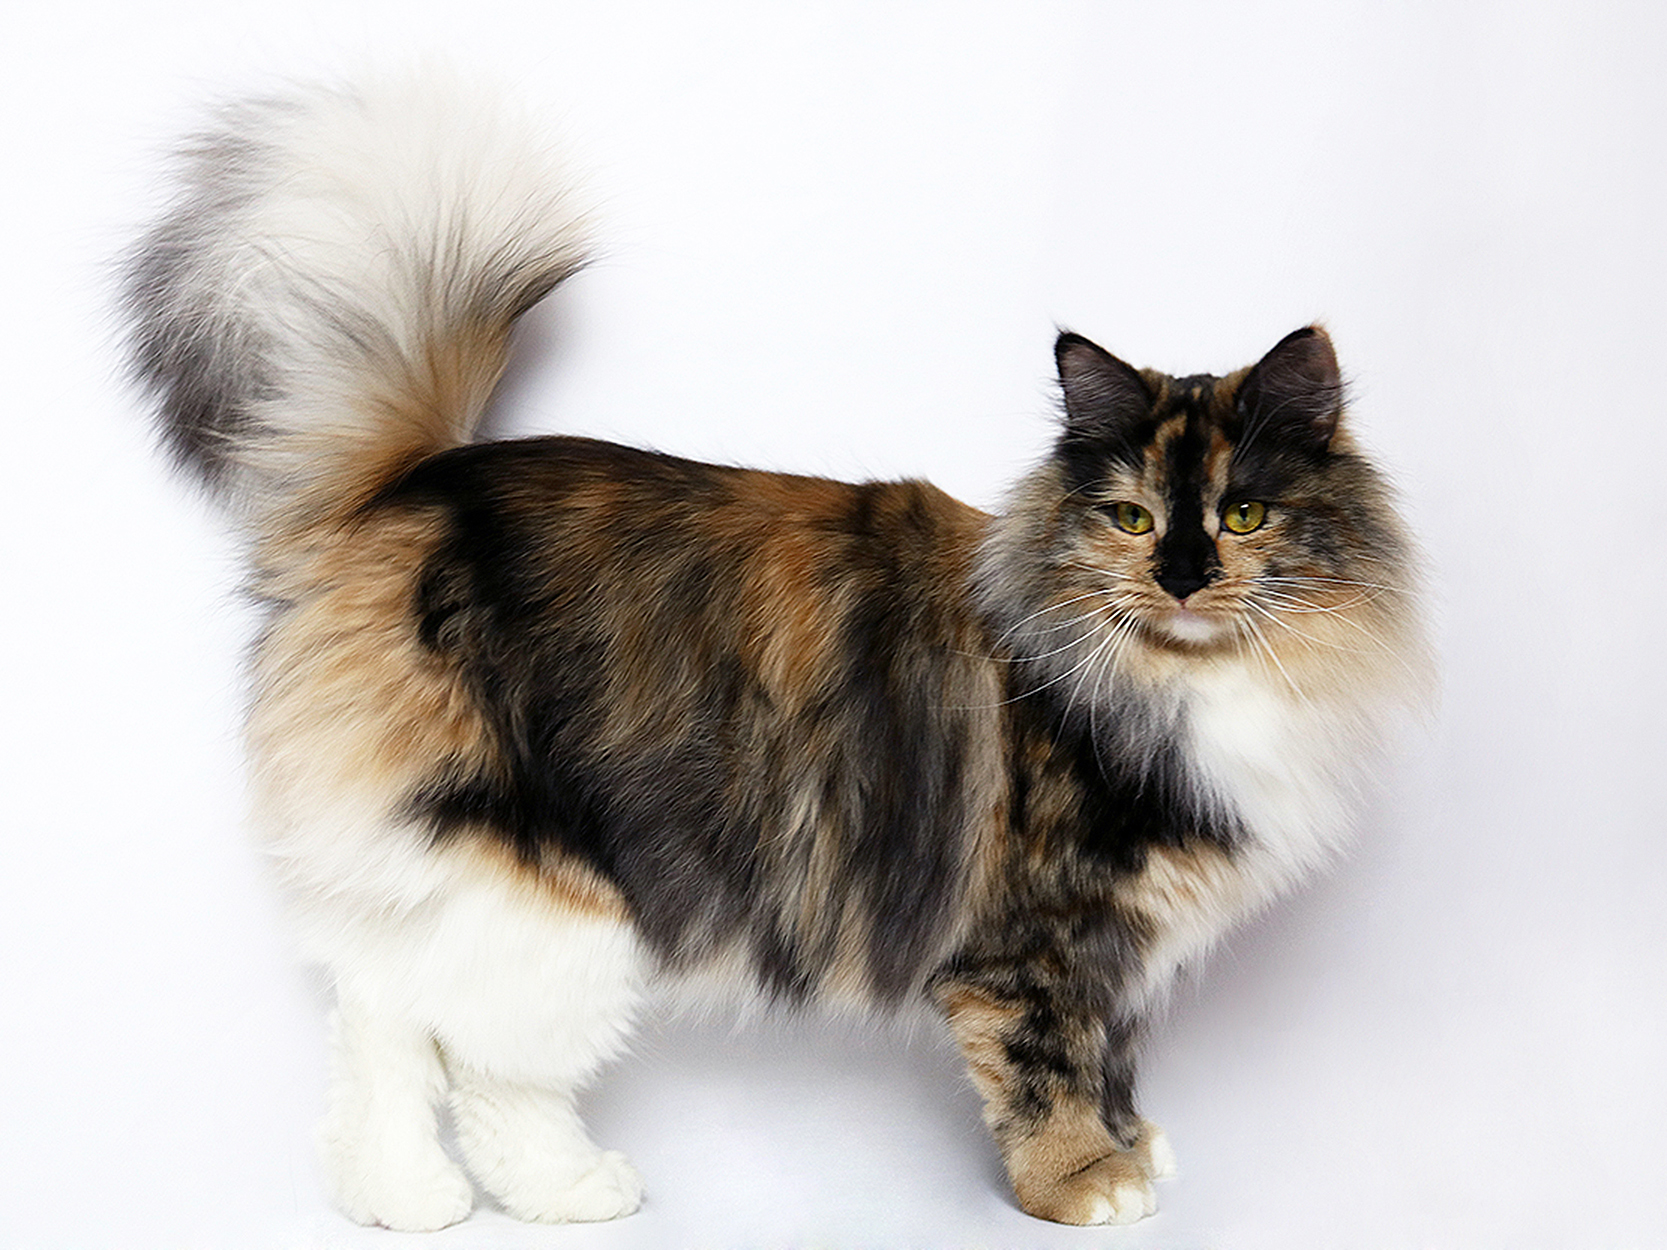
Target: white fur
{"x": 1160, "y": 1155}
{"x": 335, "y": 236}
{"x": 1291, "y": 767}
{"x": 1127, "y": 1202}
{"x": 378, "y": 1140}
{"x": 522, "y": 1000}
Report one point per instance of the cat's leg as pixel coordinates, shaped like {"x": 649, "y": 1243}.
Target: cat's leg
{"x": 526, "y": 1145}
{"x": 542, "y": 997}
{"x": 379, "y": 1140}
{"x": 1057, "y": 1082}
{"x": 1148, "y": 1142}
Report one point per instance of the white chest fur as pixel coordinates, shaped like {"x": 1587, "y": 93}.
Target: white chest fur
{"x": 1289, "y": 768}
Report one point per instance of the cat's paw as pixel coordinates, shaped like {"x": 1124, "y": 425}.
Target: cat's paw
{"x": 608, "y": 1189}
{"x": 1114, "y": 1190}
{"x": 1154, "y": 1152}
{"x": 414, "y": 1200}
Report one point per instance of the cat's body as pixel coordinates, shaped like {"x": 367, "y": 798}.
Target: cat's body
{"x": 540, "y": 725}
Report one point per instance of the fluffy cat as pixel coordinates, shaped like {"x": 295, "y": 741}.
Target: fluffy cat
{"x": 539, "y": 725}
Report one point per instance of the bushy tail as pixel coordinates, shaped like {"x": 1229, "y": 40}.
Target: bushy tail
{"x": 330, "y": 295}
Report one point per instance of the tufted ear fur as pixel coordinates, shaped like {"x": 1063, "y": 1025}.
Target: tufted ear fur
{"x": 1105, "y": 399}
{"x": 1294, "y": 393}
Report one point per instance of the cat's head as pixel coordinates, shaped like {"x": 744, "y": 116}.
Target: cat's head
{"x": 1180, "y": 518}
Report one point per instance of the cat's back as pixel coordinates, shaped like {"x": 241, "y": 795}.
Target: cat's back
{"x": 579, "y": 537}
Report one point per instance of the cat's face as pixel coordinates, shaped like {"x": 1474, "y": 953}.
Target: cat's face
{"x": 1199, "y": 515}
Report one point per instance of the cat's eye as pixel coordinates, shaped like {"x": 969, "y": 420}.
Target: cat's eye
{"x": 1243, "y": 518}
{"x": 1131, "y": 518}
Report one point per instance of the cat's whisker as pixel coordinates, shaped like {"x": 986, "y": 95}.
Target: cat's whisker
{"x": 1381, "y": 644}
{"x": 1068, "y": 673}
{"x": 1268, "y": 651}
{"x": 1286, "y": 625}
{"x": 1107, "y": 667}
{"x": 1315, "y": 580}
{"x": 1114, "y": 600}
{"x": 1089, "y": 668}
{"x": 1294, "y": 606}
{"x": 1077, "y": 642}
{"x": 1108, "y": 648}
{"x": 1052, "y": 607}
{"x": 1294, "y": 603}
{"x": 1025, "y": 659}
{"x": 1101, "y": 571}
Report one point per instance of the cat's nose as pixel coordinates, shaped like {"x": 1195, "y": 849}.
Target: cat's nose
{"x": 1183, "y": 580}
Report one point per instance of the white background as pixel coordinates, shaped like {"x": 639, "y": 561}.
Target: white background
{"x": 840, "y": 237}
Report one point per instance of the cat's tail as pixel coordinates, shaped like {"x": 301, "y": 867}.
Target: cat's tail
{"x": 330, "y": 295}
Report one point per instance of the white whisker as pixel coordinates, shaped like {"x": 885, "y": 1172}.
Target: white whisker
{"x": 1267, "y": 650}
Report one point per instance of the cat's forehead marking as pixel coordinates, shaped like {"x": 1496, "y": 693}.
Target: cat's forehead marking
{"x": 1218, "y": 458}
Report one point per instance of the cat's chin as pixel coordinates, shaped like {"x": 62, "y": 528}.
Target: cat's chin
{"x": 1190, "y": 629}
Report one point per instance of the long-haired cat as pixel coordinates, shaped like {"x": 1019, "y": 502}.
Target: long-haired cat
{"x": 539, "y": 725}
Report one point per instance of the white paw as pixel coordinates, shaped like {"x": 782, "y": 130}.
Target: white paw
{"x": 1112, "y": 1190}
{"x": 1129, "y": 1202}
{"x": 1159, "y": 1154}
{"x": 1122, "y": 1202}
{"x": 608, "y": 1189}
{"x": 416, "y": 1200}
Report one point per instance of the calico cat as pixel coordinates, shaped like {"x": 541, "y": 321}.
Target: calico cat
{"x": 538, "y": 726}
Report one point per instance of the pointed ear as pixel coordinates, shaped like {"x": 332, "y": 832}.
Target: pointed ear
{"x": 1104, "y": 398}
{"x": 1295, "y": 392}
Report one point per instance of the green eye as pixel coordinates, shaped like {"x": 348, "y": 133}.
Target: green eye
{"x": 1242, "y": 518}
{"x": 1131, "y": 518}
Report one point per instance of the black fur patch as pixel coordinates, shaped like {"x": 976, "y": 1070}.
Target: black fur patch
{"x": 551, "y": 546}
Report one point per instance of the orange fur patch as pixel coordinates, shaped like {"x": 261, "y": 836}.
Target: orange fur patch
{"x": 346, "y": 696}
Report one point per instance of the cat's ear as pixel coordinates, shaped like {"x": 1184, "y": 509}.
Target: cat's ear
{"x": 1104, "y": 398}
{"x": 1295, "y": 392}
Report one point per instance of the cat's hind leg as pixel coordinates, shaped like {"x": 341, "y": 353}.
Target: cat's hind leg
{"x": 379, "y": 1141}
{"x": 541, "y": 995}
{"x": 526, "y": 1145}
{"x": 512, "y": 986}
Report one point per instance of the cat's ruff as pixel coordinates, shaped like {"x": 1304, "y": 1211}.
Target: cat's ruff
{"x": 541, "y": 727}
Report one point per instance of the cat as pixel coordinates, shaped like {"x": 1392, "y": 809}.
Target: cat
{"x": 540, "y": 726}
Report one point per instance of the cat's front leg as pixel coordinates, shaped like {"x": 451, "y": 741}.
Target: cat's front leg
{"x": 1057, "y": 1080}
